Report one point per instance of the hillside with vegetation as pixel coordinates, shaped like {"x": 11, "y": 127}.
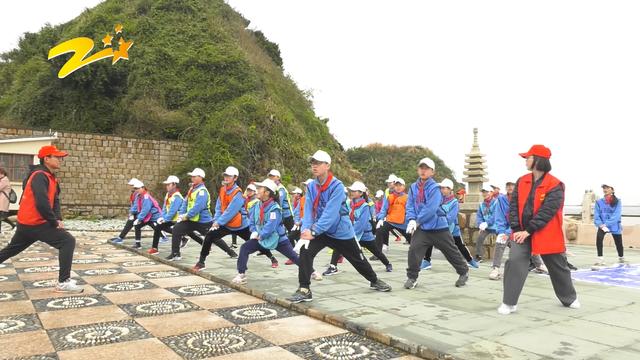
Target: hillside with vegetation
{"x": 196, "y": 72}
{"x": 375, "y": 162}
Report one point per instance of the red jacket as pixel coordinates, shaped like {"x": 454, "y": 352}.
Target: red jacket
{"x": 549, "y": 238}
{"x": 39, "y": 203}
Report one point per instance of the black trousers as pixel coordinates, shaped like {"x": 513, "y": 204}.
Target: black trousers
{"x": 187, "y": 228}
{"x": 138, "y": 229}
{"x": 168, "y": 227}
{"x": 348, "y": 248}
{"x": 60, "y": 239}
{"x": 4, "y": 217}
{"x": 369, "y": 245}
{"x": 382, "y": 234}
{"x": 617, "y": 238}
{"x": 125, "y": 230}
{"x": 459, "y": 244}
{"x": 215, "y": 237}
{"x": 288, "y": 223}
{"x": 293, "y": 237}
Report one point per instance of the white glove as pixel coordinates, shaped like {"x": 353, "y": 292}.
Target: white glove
{"x": 502, "y": 239}
{"x": 412, "y": 226}
{"x": 605, "y": 229}
{"x": 215, "y": 227}
{"x": 295, "y": 228}
{"x": 300, "y": 244}
{"x": 379, "y": 224}
{"x": 483, "y": 226}
{"x": 131, "y": 217}
{"x": 136, "y": 222}
{"x": 160, "y": 221}
{"x": 254, "y": 235}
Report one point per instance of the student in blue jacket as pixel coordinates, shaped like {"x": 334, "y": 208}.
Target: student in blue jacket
{"x": 148, "y": 213}
{"x": 485, "y": 220}
{"x": 326, "y": 223}
{"x": 429, "y": 225}
{"x": 133, "y": 211}
{"x": 230, "y": 218}
{"x": 360, "y": 214}
{"x": 194, "y": 215}
{"x": 607, "y": 217}
{"x": 451, "y": 207}
{"x": 267, "y": 229}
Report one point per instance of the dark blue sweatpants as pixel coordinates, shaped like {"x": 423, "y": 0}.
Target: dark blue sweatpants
{"x": 250, "y": 246}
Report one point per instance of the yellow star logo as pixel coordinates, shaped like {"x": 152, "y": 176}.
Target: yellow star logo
{"x": 118, "y": 28}
{"x": 106, "y": 40}
{"x": 123, "y": 50}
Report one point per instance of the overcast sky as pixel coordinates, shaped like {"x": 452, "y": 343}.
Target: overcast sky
{"x": 562, "y": 73}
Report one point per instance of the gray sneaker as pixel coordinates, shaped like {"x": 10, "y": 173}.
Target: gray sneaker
{"x": 69, "y": 286}
{"x": 410, "y": 283}
{"x": 380, "y": 285}
{"x": 462, "y": 280}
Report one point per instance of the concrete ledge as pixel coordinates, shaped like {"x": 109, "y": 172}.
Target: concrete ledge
{"x": 303, "y": 308}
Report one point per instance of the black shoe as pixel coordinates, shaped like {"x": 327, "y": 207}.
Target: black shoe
{"x": 531, "y": 267}
{"x": 462, "y": 280}
{"x": 301, "y": 295}
{"x": 137, "y": 245}
{"x": 389, "y": 268}
{"x": 373, "y": 258}
{"x": 184, "y": 241}
{"x": 233, "y": 255}
{"x": 380, "y": 285}
{"x": 234, "y": 246}
{"x": 571, "y": 266}
{"x": 174, "y": 257}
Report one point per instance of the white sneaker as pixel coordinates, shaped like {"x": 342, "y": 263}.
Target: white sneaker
{"x": 598, "y": 265}
{"x": 505, "y": 309}
{"x": 495, "y": 274}
{"x": 316, "y": 276}
{"x": 69, "y": 286}
{"x": 240, "y": 279}
{"x": 575, "y": 304}
{"x": 385, "y": 248}
{"x": 542, "y": 269}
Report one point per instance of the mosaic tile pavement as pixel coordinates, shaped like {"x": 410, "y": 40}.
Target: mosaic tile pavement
{"x": 167, "y": 313}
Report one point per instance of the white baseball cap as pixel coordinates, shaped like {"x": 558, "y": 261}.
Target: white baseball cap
{"x": 446, "y": 183}
{"x": 400, "y": 180}
{"x": 231, "y": 171}
{"x": 357, "y": 186}
{"x": 252, "y": 187}
{"x": 197, "y": 172}
{"x": 487, "y": 188}
{"x": 392, "y": 178}
{"x": 275, "y": 172}
{"x": 172, "y": 179}
{"x": 269, "y": 184}
{"x": 379, "y": 193}
{"x": 137, "y": 184}
{"x": 308, "y": 181}
{"x": 428, "y": 162}
{"x": 133, "y": 181}
{"x": 297, "y": 190}
{"x": 321, "y": 156}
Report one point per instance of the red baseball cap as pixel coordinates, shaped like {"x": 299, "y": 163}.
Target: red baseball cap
{"x": 538, "y": 150}
{"x": 50, "y": 150}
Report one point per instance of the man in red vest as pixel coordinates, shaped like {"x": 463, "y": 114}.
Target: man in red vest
{"x": 535, "y": 217}
{"x": 39, "y": 217}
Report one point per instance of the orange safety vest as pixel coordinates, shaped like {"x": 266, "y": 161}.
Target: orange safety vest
{"x": 225, "y": 200}
{"x": 397, "y": 208}
{"x": 27, "y": 213}
{"x": 549, "y": 239}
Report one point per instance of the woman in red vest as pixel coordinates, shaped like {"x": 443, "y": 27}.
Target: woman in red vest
{"x": 535, "y": 216}
{"x": 40, "y": 218}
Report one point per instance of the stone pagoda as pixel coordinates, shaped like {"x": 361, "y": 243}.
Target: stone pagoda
{"x": 475, "y": 172}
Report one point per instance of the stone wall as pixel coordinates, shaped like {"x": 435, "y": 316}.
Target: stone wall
{"x": 95, "y": 174}
{"x": 469, "y": 232}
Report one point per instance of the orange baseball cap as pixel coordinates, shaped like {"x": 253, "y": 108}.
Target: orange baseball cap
{"x": 50, "y": 150}
{"x": 537, "y": 150}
